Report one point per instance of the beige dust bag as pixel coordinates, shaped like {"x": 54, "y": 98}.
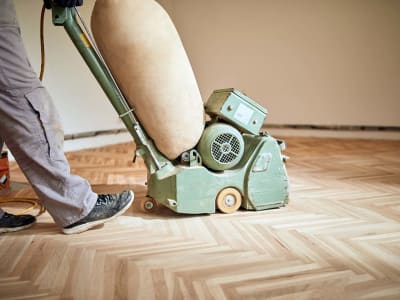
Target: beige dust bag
{"x": 145, "y": 54}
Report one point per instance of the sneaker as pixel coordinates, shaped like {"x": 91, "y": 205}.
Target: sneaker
{"x": 12, "y": 223}
{"x": 107, "y": 208}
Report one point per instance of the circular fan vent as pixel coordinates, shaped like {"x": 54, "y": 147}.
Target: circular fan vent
{"x": 221, "y": 146}
{"x": 225, "y": 148}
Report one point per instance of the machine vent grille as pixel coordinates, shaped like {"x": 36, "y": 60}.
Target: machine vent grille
{"x": 225, "y": 148}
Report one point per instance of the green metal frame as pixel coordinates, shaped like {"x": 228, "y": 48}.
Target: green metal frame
{"x": 260, "y": 177}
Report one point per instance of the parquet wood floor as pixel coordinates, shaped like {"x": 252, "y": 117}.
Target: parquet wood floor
{"x": 339, "y": 237}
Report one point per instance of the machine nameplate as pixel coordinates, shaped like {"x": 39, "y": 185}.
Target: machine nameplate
{"x": 243, "y": 114}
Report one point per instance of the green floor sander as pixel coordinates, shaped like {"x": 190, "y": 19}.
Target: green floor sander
{"x": 233, "y": 165}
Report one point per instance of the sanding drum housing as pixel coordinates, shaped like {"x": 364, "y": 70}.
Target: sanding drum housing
{"x": 141, "y": 46}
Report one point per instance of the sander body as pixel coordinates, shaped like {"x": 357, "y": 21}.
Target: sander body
{"x": 233, "y": 165}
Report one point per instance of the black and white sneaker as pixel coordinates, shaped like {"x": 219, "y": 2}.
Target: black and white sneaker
{"x": 12, "y": 223}
{"x": 107, "y": 208}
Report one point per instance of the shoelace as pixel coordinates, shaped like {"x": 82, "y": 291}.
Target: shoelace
{"x": 104, "y": 200}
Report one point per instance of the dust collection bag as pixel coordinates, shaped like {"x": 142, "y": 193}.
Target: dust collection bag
{"x": 145, "y": 54}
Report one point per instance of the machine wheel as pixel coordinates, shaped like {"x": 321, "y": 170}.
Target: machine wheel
{"x": 148, "y": 204}
{"x": 229, "y": 200}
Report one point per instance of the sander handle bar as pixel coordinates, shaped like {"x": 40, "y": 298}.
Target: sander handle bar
{"x": 66, "y": 17}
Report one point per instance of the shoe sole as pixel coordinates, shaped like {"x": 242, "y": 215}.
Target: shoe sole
{"x": 15, "y": 229}
{"x": 87, "y": 226}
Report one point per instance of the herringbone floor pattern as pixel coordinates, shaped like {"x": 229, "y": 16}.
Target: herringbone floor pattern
{"x": 339, "y": 237}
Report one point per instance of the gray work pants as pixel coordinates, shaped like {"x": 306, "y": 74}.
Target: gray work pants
{"x": 30, "y": 126}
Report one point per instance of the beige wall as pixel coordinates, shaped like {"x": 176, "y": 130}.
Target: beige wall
{"x": 308, "y": 61}
{"x": 82, "y": 104}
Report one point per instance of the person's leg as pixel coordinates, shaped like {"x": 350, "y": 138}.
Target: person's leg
{"x": 9, "y": 222}
{"x": 31, "y": 129}
{"x": 5, "y": 19}
{"x": 1, "y": 149}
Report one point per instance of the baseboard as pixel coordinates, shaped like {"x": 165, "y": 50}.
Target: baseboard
{"x": 99, "y": 140}
{"x": 335, "y": 131}
{"x": 370, "y": 135}
{"x": 80, "y": 142}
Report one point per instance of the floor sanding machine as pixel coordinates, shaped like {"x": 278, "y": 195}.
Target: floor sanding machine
{"x": 234, "y": 164}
